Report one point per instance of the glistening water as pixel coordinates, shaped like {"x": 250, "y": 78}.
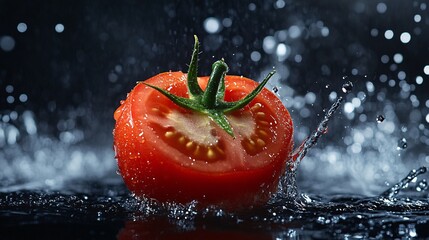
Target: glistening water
{"x": 65, "y": 67}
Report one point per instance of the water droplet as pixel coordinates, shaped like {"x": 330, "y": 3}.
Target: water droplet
{"x": 275, "y": 89}
{"x": 347, "y": 87}
{"x": 422, "y": 185}
{"x": 380, "y": 118}
{"x": 327, "y": 86}
{"x": 402, "y": 144}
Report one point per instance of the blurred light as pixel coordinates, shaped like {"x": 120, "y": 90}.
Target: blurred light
{"x": 112, "y": 77}
{"x": 388, "y": 34}
{"x": 356, "y": 102}
{"x": 23, "y": 97}
{"x": 9, "y": 89}
{"x": 282, "y": 52}
{"x": 10, "y": 99}
{"x": 356, "y": 148}
{"x": 398, "y": 58}
{"x": 212, "y": 25}
{"x": 29, "y": 123}
{"x": 298, "y": 58}
{"x": 417, "y": 18}
{"x": 402, "y": 75}
{"x": 118, "y": 68}
{"x": 387, "y": 127}
{"x": 227, "y": 22}
{"x": 361, "y": 95}
{"x": 310, "y": 98}
{"x": 305, "y": 112}
{"x": 13, "y": 115}
{"x": 381, "y": 7}
{"x": 281, "y": 35}
{"x": 280, "y": 4}
{"x": 384, "y": 59}
{"x": 324, "y": 31}
{"x": 5, "y": 118}
{"x": 268, "y": 44}
{"x": 332, "y": 96}
{"x": 252, "y": 7}
{"x": 294, "y": 31}
{"x": 348, "y": 107}
{"x": 370, "y": 86}
{"x": 59, "y": 28}
{"x": 426, "y": 69}
{"x": 255, "y": 56}
{"x": 7, "y": 43}
{"x": 383, "y": 78}
{"x": 405, "y": 37}
{"x": 374, "y": 32}
{"x": 419, "y": 80}
{"x": 22, "y": 27}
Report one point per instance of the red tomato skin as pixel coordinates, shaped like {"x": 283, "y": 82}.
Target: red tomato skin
{"x": 148, "y": 170}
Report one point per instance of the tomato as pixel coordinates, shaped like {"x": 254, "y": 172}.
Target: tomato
{"x": 173, "y": 154}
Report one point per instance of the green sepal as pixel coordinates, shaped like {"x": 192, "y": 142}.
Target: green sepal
{"x": 220, "y": 118}
{"x": 183, "y": 102}
{"x": 211, "y": 101}
{"x": 246, "y": 100}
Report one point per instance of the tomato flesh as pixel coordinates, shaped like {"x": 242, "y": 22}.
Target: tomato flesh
{"x": 169, "y": 153}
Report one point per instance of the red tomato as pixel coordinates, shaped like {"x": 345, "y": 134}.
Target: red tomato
{"x": 173, "y": 154}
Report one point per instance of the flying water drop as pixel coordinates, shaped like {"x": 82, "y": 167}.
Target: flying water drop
{"x": 275, "y": 89}
{"x": 347, "y": 87}
{"x": 422, "y": 186}
{"x": 402, "y": 144}
{"x": 380, "y": 118}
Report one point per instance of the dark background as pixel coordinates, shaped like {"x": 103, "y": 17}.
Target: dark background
{"x": 75, "y": 79}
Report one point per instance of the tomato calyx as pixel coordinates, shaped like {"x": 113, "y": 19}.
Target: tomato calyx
{"x": 211, "y": 101}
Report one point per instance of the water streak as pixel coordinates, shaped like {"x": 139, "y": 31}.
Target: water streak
{"x": 393, "y": 191}
{"x": 301, "y": 152}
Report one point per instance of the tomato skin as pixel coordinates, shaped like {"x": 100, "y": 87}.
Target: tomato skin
{"x": 150, "y": 168}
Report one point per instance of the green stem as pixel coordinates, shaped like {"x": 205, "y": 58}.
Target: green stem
{"x": 211, "y": 101}
{"x": 194, "y": 89}
{"x": 217, "y": 76}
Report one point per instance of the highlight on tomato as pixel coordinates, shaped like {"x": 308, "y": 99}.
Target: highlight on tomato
{"x": 220, "y": 140}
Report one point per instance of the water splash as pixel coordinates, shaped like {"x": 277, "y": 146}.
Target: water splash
{"x": 302, "y": 150}
{"x": 394, "y": 191}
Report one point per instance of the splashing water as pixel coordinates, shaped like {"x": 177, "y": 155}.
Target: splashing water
{"x": 302, "y": 150}
{"x": 393, "y": 191}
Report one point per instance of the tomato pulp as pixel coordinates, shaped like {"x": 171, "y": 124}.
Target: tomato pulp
{"x": 173, "y": 154}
